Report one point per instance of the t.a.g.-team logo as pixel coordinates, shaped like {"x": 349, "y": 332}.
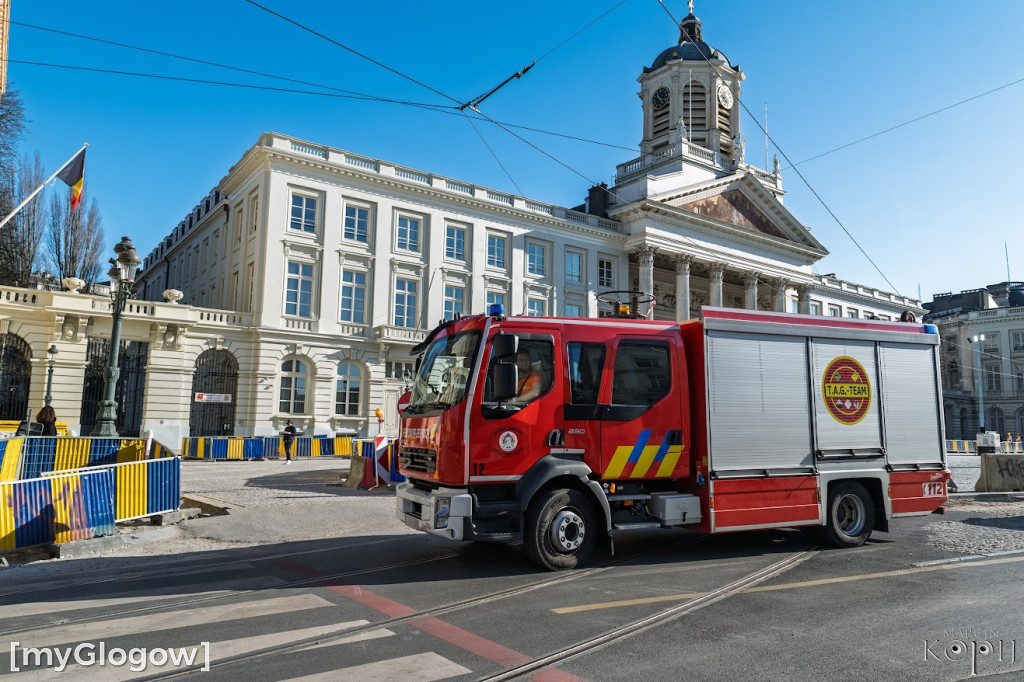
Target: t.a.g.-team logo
{"x": 846, "y": 389}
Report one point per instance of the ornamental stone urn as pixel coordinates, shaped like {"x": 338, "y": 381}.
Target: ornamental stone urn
{"x": 172, "y": 295}
{"x": 73, "y": 284}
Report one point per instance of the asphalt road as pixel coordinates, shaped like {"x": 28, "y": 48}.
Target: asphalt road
{"x": 357, "y": 597}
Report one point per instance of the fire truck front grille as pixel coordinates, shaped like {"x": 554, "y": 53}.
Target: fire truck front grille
{"x": 418, "y": 459}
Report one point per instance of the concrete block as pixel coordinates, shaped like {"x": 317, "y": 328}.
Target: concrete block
{"x": 356, "y": 471}
{"x": 77, "y": 548}
{"x": 1001, "y": 473}
{"x": 168, "y": 518}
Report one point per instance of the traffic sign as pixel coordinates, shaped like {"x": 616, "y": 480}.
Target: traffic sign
{"x": 403, "y": 401}
{"x": 213, "y": 397}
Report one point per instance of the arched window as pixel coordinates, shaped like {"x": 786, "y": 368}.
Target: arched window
{"x": 348, "y": 389}
{"x": 294, "y": 379}
{"x": 15, "y": 376}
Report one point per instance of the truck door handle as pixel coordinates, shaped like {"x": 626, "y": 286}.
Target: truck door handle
{"x": 556, "y": 439}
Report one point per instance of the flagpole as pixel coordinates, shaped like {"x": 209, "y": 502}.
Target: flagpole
{"x": 40, "y": 187}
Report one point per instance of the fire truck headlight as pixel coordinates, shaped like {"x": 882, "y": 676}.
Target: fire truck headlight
{"x": 442, "y": 509}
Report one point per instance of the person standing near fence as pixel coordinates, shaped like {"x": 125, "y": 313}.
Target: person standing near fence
{"x": 48, "y": 418}
{"x": 288, "y": 436}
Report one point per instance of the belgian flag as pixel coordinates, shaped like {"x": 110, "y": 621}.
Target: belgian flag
{"x": 74, "y": 175}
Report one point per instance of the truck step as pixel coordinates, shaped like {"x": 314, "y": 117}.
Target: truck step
{"x": 636, "y": 526}
{"x": 620, "y": 497}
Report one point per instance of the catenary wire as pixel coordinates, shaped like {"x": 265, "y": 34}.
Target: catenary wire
{"x": 349, "y": 49}
{"x": 445, "y": 109}
{"x": 493, "y": 153}
{"x": 906, "y": 123}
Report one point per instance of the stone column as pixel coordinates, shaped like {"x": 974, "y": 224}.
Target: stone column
{"x": 716, "y": 271}
{"x": 645, "y": 259}
{"x": 683, "y": 286}
{"x": 750, "y": 290}
{"x": 780, "y": 294}
{"x": 804, "y": 293}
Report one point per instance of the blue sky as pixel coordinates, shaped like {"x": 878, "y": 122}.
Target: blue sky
{"x": 932, "y": 203}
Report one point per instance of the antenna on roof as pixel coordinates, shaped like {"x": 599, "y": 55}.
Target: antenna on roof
{"x": 1006, "y": 250}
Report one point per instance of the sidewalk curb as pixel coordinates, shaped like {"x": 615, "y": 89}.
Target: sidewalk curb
{"x": 80, "y": 548}
{"x": 988, "y": 497}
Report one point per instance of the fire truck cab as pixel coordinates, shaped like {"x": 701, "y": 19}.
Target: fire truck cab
{"x": 560, "y": 432}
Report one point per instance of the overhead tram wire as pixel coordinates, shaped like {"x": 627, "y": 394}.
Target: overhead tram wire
{"x": 183, "y": 57}
{"x": 493, "y": 153}
{"x": 906, "y": 123}
{"x": 805, "y": 181}
{"x": 349, "y": 49}
{"x": 368, "y": 98}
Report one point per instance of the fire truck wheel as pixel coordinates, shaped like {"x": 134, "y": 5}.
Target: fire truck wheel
{"x": 560, "y": 529}
{"x": 851, "y": 515}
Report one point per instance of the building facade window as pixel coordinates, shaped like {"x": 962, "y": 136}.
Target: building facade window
{"x": 605, "y": 273}
{"x": 815, "y": 308}
{"x": 405, "y": 303}
{"x": 1018, "y": 341}
{"x": 535, "y": 259}
{"x": 573, "y": 266}
{"x": 299, "y": 290}
{"x": 453, "y": 301}
{"x": 455, "y": 243}
{"x": 794, "y": 305}
{"x": 347, "y": 390}
{"x": 397, "y": 369}
{"x": 834, "y": 311}
{"x": 536, "y": 307}
{"x": 408, "y": 233}
{"x": 353, "y": 297}
{"x": 994, "y": 420}
{"x": 852, "y": 313}
{"x": 993, "y": 379}
{"x": 357, "y": 223}
{"x": 495, "y": 297}
{"x": 303, "y": 213}
{"x": 496, "y": 251}
{"x": 294, "y": 379}
{"x": 573, "y": 310}
{"x": 254, "y": 214}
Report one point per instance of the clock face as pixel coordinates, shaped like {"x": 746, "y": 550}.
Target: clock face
{"x": 660, "y": 99}
{"x": 725, "y": 97}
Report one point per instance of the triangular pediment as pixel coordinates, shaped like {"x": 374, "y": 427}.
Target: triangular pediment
{"x": 734, "y": 208}
{"x": 741, "y": 204}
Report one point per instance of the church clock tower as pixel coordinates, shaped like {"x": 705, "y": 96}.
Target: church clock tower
{"x": 691, "y": 92}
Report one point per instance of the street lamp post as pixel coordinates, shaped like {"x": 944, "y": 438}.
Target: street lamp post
{"x": 52, "y": 352}
{"x": 122, "y": 287}
{"x": 978, "y": 382}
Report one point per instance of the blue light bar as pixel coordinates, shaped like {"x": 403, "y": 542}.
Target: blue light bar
{"x": 931, "y": 329}
{"x": 496, "y": 310}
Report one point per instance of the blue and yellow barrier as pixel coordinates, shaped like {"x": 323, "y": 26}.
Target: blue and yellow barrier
{"x": 61, "y": 508}
{"x": 39, "y": 456}
{"x": 264, "y": 447}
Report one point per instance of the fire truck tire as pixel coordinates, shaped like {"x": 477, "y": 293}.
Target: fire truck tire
{"x": 560, "y": 529}
{"x": 850, "y": 515}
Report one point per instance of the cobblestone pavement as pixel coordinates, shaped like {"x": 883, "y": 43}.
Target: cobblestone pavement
{"x": 965, "y": 469}
{"x": 975, "y": 527}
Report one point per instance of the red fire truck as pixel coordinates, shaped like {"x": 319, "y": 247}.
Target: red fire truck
{"x": 559, "y": 432}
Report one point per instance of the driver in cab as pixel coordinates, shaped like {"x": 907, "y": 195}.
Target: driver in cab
{"x": 530, "y": 380}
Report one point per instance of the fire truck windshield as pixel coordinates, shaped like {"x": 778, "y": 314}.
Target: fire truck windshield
{"x": 444, "y": 372}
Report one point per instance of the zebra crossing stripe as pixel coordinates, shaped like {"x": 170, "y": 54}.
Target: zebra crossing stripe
{"x": 203, "y": 614}
{"x": 425, "y": 667}
{"x": 140, "y": 597}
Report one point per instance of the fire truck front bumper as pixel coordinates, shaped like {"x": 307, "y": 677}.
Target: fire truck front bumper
{"x": 444, "y": 512}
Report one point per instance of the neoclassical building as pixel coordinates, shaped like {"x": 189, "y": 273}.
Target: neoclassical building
{"x": 330, "y": 264}
{"x": 982, "y": 358}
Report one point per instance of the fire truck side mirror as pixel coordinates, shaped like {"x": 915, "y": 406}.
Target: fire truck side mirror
{"x": 505, "y": 346}
{"x": 506, "y": 380}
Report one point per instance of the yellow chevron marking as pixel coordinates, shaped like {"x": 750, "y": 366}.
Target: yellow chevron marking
{"x": 646, "y": 459}
{"x": 618, "y": 462}
{"x": 668, "y": 464}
